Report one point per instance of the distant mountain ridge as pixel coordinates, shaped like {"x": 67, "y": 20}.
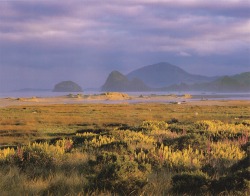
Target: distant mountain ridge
{"x": 167, "y": 77}
{"x": 235, "y": 83}
{"x": 165, "y": 74}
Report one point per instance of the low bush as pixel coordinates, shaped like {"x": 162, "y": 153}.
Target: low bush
{"x": 33, "y": 163}
{"x": 196, "y": 141}
{"x": 241, "y": 165}
{"x": 117, "y": 173}
{"x": 190, "y": 183}
{"x": 149, "y": 126}
{"x": 239, "y": 181}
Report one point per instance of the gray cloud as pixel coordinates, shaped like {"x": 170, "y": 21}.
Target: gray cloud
{"x": 85, "y": 40}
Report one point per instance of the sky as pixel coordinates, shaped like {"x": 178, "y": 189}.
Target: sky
{"x": 43, "y": 42}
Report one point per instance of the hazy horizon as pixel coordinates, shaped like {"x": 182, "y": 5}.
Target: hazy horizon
{"x": 45, "y": 42}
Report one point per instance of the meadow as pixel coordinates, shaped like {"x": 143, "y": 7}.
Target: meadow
{"x": 125, "y": 149}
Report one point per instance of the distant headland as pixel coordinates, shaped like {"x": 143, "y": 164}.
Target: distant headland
{"x": 67, "y": 86}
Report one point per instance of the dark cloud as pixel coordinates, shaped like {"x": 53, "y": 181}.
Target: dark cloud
{"x": 36, "y": 10}
{"x": 200, "y": 7}
{"x": 42, "y": 42}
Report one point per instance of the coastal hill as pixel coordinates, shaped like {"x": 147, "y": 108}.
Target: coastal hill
{"x": 119, "y": 82}
{"x": 167, "y": 77}
{"x": 164, "y": 74}
{"x": 239, "y": 82}
{"x": 67, "y": 86}
{"x": 235, "y": 83}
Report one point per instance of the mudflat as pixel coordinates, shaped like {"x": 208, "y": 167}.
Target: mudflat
{"x": 116, "y": 97}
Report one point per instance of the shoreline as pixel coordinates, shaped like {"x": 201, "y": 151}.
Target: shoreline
{"x": 122, "y": 98}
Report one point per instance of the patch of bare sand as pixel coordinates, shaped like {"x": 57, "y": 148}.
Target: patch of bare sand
{"x": 219, "y": 102}
{"x": 114, "y": 96}
{"x": 29, "y": 99}
{"x": 68, "y": 99}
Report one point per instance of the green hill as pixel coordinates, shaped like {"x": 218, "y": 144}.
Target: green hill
{"x": 235, "y": 83}
{"x": 167, "y": 77}
{"x": 118, "y": 82}
{"x": 67, "y": 86}
{"x": 239, "y": 82}
{"x": 164, "y": 74}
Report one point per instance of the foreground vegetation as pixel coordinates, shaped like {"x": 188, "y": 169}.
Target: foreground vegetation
{"x": 127, "y": 149}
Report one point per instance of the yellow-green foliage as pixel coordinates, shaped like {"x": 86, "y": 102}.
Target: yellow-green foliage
{"x": 154, "y": 125}
{"x": 86, "y": 134}
{"x": 186, "y": 157}
{"x": 226, "y": 150}
{"x": 164, "y": 133}
{"x": 246, "y": 122}
{"x": 216, "y": 126}
{"x": 98, "y": 141}
{"x": 5, "y": 153}
{"x": 132, "y": 137}
{"x": 121, "y": 159}
{"x": 58, "y": 149}
{"x": 172, "y": 158}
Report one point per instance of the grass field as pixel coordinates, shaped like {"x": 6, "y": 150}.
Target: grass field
{"x": 125, "y": 149}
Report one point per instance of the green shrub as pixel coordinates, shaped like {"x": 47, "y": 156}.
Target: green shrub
{"x": 115, "y": 146}
{"x": 246, "y": 123}
{"x": 241, "y": 165}
{"x": 190, "y": 183}
{"x": 209, "y": 169}
{"x": 238, "y": 181}
{"x": 246, "y": 147}
{"x": 218, "y": 130}
{"x": 117, "y": 173}
{"x": 33, "y": 162}
{"x": 173, "y": 121}
{"x": 193, "y": 140}
{"x": 149, "y": 126}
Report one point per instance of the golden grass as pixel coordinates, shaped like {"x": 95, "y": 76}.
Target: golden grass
{"x": 141, "y": 142}
{"x": 21, "y": 124}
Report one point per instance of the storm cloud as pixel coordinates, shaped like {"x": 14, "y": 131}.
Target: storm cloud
{"x": 44, "y": 42}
